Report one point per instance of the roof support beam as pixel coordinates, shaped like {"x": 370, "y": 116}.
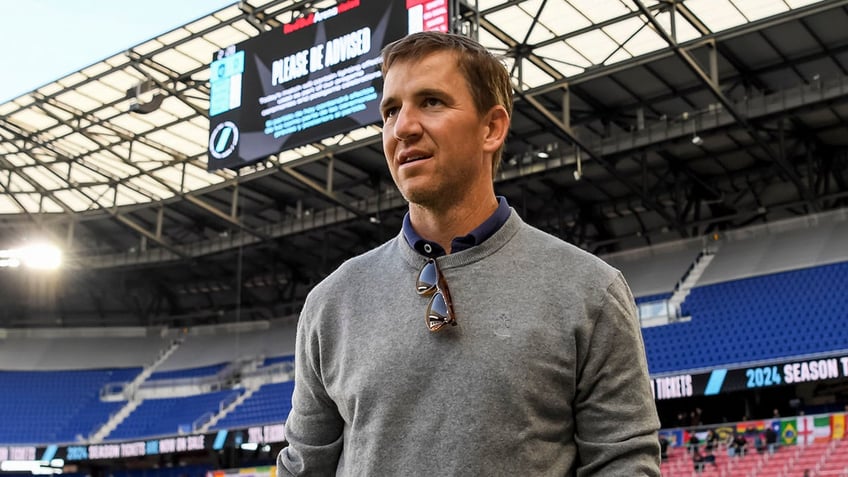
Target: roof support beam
{"x": 131, "y": 138}
{"x": 566, "y": 130}
{"x": 710, "y": 80}
{"x": 609, "y": 167}
{"x": 150, "y": 236}
{"x": 745, "y": 29}
{"x": 321, "y": 190}
{"x": 225, "y": 217}
{"x": 111, "y": 210}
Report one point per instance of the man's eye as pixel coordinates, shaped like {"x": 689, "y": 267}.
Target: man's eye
{"x": 432, "y": 102}
{"x": 389, "y": 112}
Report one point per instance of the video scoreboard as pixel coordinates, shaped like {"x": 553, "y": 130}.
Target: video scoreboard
{"x": 308, "y": 80}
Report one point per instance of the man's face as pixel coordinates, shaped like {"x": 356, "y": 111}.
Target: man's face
{"x": 433, "y": 135}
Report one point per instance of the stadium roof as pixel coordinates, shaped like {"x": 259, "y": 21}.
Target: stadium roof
{"x": 636, "y": 122}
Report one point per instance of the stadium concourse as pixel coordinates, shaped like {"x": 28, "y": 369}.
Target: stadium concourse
{"x": 700, "y": 146}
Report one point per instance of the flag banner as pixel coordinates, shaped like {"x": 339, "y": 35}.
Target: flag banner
{"x": 837, "y": 426}
{"x": 805, "y": 430}
{"x": 821, "y": 429}
{"x": 751, "y": 425}
{"x": 800, "y": 430}
{"x": 724, "y": 433}
{"x": 674, "y": 437}
{"x": 788, "y": 431}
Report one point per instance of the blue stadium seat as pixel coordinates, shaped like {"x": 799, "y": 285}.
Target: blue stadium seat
{"x": 780, "y": 315}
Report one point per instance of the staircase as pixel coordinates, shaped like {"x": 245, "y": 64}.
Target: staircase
{"x": 200, "y": 426}
{"x": 126, "y": 391}
{"x": 120, "y": 391}
{"x": 689, "y": 280}
{"x": 114, "y": 421}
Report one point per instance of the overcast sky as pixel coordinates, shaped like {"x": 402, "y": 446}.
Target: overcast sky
{"x": 44, "y": 40}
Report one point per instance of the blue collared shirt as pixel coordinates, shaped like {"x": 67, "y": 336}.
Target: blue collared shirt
{"x": 458, "y": 244}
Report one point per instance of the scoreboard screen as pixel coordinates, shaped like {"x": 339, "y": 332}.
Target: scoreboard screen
{"x": 308, "y": 80}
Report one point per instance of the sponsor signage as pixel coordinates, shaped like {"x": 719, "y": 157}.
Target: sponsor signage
{"x": 724, "y": 380}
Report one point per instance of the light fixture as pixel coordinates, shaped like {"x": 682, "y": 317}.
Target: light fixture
{"x": 696, "y": 140}
{"x": 578, "y": 172}
{"x": 40, "y": 256}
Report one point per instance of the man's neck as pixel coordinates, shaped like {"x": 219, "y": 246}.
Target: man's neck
{"x": 442, "y": 226}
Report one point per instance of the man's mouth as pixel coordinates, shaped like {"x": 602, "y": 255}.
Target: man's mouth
{"x": 410, "y": 159}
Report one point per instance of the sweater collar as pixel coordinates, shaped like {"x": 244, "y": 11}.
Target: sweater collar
{"x": 494, "y": 243}
{"x": 458, "y": 244}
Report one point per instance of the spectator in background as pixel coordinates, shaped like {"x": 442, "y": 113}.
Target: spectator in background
{"x": 694, "y": 443}
{"x": 771, "y": 439}
{"x": 711, "y": 441}
{"x": 663, "y": 448}
{"x": 695, "y": 418}
{"x": 738, "y": 445}
{"x": 759, "y": 443}
{"x": 698, "y": 460}
{"x": 701, "y": 459}
{"x": 710, "y": 458}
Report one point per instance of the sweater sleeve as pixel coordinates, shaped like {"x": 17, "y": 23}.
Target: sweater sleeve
{"x": 314, "y": 427}
{"x": 615, "y": 415}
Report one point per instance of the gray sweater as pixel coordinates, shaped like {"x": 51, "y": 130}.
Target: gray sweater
{"x": 544, "y": 375}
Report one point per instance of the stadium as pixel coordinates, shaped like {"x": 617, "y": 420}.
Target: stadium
{"x": 698, "y": 146}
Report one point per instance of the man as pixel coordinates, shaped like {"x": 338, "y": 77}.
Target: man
{"x": 471, "y": 344}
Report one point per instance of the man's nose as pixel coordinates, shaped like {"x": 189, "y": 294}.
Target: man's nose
{"x": 407, "y": 124}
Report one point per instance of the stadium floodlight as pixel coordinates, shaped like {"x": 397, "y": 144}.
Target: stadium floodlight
{"x": 40, "y": 256}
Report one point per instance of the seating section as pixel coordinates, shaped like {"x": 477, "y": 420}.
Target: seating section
{"x": 656, "y": 269}
{"x": 767, "y": 317}
{"x": 55, "y": 406}
{"x": 651, "y": 298}
{"x": 170, "y": 416}
{"x": 775, "y": 316}
{"x": 278, "y": 359}
{"x": 188, "y": 373}
{"x": 825, "y": 459}
{"x": 270, "y": 404}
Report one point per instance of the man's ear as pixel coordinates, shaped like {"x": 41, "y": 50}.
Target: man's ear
{"x": 497, "y": 127}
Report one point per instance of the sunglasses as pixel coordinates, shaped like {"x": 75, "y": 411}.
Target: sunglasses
{"x": 432, "y": 283}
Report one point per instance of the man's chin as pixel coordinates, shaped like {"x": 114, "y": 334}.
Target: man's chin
{"x": 423, "y": 197}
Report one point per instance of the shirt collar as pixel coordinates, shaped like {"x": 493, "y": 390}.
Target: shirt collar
{"x": 458, "y": 244}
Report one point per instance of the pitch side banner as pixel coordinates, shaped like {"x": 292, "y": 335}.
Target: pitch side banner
{"x": 308, "y": 80}
{"x": 223, "y": 439}
{"x": 724, "y": 380}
